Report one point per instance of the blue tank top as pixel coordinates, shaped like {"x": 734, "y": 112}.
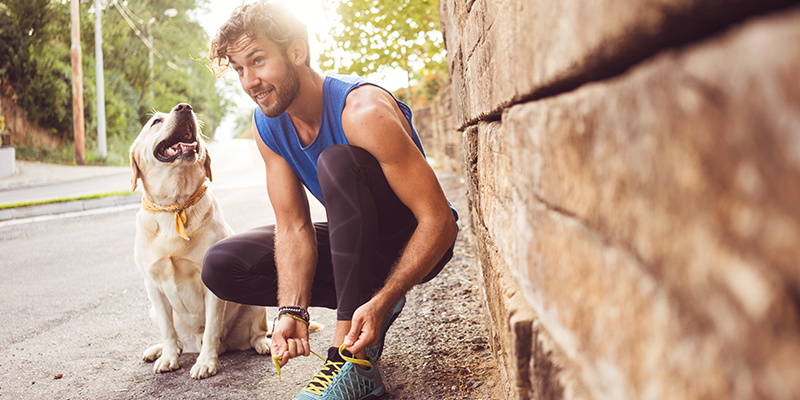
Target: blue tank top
{"x": 279, "y": 134}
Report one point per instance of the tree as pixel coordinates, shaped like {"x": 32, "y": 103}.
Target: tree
{"x": 37, "y": 73}
{"x": 35, "y": 65}
{"x": 388, "y": 33}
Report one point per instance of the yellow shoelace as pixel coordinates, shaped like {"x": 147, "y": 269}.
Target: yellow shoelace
{"x": 320, "y": 378}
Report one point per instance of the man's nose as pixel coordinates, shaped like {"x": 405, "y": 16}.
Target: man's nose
{"x": 249, "y": 80}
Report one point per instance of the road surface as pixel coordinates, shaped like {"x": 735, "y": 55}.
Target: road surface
{"x": 75, "y": 315}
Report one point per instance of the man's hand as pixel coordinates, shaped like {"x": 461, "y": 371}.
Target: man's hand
{"x": 289, "y": 340}
{"x": 365, "y": 326}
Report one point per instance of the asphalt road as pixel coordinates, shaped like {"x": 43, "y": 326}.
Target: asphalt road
{"x": 75, "y": 315}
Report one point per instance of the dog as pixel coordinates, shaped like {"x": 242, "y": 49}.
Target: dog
{"x": 179, "y": 220}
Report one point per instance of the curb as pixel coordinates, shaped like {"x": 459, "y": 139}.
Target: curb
{"x": 68, "y": 206}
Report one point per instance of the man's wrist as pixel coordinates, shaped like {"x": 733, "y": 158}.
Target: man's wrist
{"x": 385, "y": 299}
{"x": 296, "y": 312}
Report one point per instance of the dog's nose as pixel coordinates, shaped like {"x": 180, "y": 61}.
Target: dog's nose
{"x": 183, "y": 107}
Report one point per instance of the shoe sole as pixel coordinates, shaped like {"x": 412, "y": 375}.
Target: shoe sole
{"x": 395, "y": 313}
{"x": 373, "y": 396}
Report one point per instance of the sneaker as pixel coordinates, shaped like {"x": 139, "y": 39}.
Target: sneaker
{"x": 341, "y": 379}
{"x": 374, "y": 352}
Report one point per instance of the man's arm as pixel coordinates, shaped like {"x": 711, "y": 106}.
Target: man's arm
{"x": 372, "y": 120}
{"x": 295, "y": 251}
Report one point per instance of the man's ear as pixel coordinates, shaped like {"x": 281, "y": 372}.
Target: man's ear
{"x": 136, "y": 172}
{"x": 297, "y": 52}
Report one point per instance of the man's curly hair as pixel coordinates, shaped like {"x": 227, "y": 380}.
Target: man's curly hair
{"x": 258, "y": 18}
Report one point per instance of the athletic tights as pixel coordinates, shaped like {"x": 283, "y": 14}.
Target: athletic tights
{"x": 366, "y": 232}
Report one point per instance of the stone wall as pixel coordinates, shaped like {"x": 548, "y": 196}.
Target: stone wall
{"x": 435, "y": 125}
{"x": 633, "y": 170}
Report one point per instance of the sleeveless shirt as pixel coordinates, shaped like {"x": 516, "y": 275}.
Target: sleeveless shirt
{"x": 280, "y": 136}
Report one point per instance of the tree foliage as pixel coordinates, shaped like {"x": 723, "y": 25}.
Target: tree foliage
{"x": 377, "y": 34}
{"x": 35, "y": 64}
{"x": 26, "y": 62}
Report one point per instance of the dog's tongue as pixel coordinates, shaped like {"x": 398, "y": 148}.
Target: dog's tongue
{"x": 181, "y": 147}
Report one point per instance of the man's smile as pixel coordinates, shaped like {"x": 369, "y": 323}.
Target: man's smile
{"x": 261, "y": 97}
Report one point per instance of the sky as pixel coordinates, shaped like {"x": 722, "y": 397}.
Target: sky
{"x": 312, "y": 13}
{"x": 308, "y": 11}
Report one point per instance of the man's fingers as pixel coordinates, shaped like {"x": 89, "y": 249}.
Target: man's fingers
{"x": 291, "y": 345}
{"x": 283, "y": 361}
{"x": 359, "y": 337}
{"x": 364, "y": 340}
{"x": 355, "y": 331}
{"x": 278, "y": 344}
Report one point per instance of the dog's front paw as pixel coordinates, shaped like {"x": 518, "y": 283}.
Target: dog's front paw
{"x": 204, "y": 367}
{"x": 262, "y": 345}
{"x": 315, "y": 327}
{"x": 166, "y": 363}
{"x": 152, "y": 353}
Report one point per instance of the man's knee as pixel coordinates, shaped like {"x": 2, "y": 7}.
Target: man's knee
{"x": 215, "y": 275}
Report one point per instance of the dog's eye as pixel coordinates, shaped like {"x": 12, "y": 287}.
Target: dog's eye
{"x": 157, "y": 121}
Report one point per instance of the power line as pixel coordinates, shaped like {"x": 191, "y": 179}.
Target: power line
{"x": 127, "y": 17}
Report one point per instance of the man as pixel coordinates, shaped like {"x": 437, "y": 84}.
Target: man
{"x": 352, "y": 144}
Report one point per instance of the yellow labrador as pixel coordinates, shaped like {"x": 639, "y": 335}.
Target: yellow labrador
{"x": 179, "y": 220}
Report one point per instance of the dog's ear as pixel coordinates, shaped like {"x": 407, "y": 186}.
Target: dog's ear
{"x": 136, "y": 172}
{"x": 207, "y": 165}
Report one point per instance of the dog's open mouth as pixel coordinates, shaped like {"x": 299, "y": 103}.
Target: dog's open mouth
{"x": 182, "y": 143}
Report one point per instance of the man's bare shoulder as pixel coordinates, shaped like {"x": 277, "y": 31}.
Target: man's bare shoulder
{"x": 367, "y": 99}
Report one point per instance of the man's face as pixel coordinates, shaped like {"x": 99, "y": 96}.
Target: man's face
{"x": 265, "y": 73}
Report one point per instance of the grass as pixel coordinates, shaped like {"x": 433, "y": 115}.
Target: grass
{"x": 117, "y": 153}
{"x": 63, "y": 200}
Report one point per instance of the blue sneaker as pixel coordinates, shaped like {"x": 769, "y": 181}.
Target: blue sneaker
{"x": 341, "y": 379}
{"x": 374, "y": 352}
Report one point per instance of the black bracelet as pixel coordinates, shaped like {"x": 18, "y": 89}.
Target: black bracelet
{"x": 299, "y": 312}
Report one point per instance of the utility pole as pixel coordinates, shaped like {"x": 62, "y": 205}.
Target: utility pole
{"x": 150, "y": 59}
{"x": 77, "y": 82}
{"x": 101, "y": 93}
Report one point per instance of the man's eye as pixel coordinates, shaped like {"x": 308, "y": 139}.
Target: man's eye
{"x": 258, "y": 61}
{"x": 157, "y": 121}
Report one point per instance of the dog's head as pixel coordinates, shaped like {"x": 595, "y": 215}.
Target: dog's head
{"x": 169, "y": 141}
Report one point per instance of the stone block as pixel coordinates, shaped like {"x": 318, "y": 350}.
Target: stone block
{"x": 502, "y": 52}
{"x": 651, "y": 220}
{"x": 536, "y": 368}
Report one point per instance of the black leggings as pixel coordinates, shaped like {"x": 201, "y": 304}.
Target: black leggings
{"x": 367, "y": 230}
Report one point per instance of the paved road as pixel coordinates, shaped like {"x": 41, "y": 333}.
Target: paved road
{"x": 75, "y": 314}
{"x": 74, "y": 307}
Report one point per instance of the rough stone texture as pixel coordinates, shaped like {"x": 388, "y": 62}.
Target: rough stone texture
{"x": 670, "y": 194}
{"x": 501, "y": 52}
{"x": 639, "y": 235}
{"x": 442, "y": 142}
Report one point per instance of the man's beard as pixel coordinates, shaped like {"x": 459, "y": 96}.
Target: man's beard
{"x": 284, "y": 93}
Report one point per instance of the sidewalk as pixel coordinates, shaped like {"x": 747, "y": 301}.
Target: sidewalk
{"x": 35, "y": 181}
{"x": 234, "y": 162}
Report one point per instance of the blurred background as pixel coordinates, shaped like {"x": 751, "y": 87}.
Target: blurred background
{"x": 154, "y": 56}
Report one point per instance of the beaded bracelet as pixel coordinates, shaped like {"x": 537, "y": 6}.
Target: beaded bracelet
{"x": 297, "y": 311}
